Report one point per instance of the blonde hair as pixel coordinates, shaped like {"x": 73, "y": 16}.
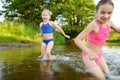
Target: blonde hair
{"x": 48, "y": 11}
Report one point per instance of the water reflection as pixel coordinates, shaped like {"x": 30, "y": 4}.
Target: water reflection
{"x": 1, "y": 70}
{"x": 22, "y": 64}
{"x": 46, "y": 70}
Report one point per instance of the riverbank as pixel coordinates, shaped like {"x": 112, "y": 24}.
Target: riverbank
{"x": 22, "y": 45}
{"x": 16, "y": 45}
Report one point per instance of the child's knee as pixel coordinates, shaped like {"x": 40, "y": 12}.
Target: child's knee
{"x": 97, "y": 72}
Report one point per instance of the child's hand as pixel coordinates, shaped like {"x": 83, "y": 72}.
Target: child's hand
{"x": 92, "y": 56}
{"x": 67, "y": 36}
{"x": 38, "y": 35}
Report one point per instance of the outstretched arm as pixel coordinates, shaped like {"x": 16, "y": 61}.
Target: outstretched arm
{"x": 115, "y": 28}
{"x": 59, "y": 29}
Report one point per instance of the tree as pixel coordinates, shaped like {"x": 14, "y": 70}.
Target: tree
{"x": 25, "y": 10}
{"x": 77, "y": 13}
{"x": 73, "y": 15}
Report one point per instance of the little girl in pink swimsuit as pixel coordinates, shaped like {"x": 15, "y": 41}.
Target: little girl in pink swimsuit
{"x": 97, "y": 32}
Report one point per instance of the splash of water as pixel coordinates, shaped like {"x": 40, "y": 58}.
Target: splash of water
{"x": 112, "y": 56}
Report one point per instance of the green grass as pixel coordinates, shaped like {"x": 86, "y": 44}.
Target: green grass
{"x": 59, "y": 39}
{"x": 16, "y": 32}
{"x": 114, "y": 37}
{"x": 13, "y": 32}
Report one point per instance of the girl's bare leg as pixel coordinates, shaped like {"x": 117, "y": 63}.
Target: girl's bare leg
{"x": 93, "y": 68}
{"x": 49, "y": 49}
{"x": 103, "y": 65}
{"x": 43, "y": 49}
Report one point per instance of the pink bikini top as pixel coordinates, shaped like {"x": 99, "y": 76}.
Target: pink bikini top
{"x": 100, "y": 37}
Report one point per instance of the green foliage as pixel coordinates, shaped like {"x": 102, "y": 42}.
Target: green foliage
{"x": 71, "y": 13}
{"x": 59, "y": 39}
{"x": 73, "y": 31}
{"x": 76, "y": 14}
{"x": 25, "y": 10}
{"x": 114, "y": 37}
{"x": 17, "y": 32}
{"x": 24, "y": 33}
{"x": 7, "y": 39}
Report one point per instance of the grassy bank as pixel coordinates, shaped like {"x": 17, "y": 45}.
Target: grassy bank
{"x": 114, "y": 37}
{"x": 13, "y": 32}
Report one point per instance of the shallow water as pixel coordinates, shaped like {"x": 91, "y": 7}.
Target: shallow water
{"x": 112, "y": 56}
{"x": 23, "y": 64}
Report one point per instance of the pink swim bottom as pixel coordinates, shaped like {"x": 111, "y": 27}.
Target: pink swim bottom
{"x": 98, "y": 54}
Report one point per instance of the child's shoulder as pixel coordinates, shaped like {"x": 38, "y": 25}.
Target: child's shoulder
{"x": 40, "y": 24}
{"x": 93, "y": 24}
{"x": 51, "y": 22}
{"x": 110, "y": 23}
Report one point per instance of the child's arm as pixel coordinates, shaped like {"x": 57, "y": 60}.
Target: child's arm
{"x": 59, "y": 29}
{"x": 115, "y": 28}
{"x": 81, "y": 36}
{"x": 37, "y": 35}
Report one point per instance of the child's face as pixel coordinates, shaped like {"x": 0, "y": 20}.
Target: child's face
{"x": 45, "y": 16}
{"x": 104, "y": 12}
